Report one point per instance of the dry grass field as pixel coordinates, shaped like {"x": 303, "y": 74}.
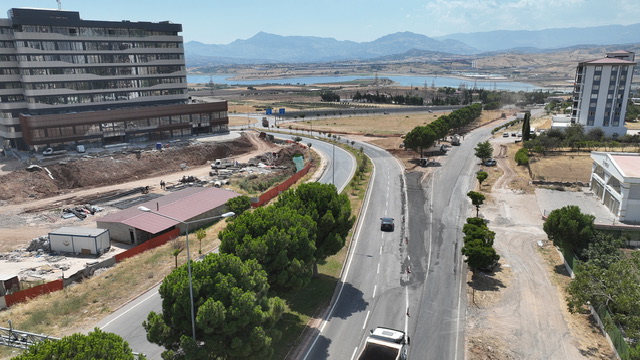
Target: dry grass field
{"x": 564, "y": 167}
{"x": 379, "y": 125}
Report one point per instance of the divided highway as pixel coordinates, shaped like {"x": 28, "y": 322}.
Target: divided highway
{"x": 411, "y": 279}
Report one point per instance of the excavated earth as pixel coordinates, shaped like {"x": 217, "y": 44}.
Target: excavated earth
{"x": 109, "y": 168}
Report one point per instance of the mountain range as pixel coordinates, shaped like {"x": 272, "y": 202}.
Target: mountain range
{"x": 271, "y": 48}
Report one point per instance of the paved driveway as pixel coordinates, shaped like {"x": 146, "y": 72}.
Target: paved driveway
{"x": 549, "y": 200}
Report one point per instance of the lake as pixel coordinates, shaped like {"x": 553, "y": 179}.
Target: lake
{"x": 404, "y": 80}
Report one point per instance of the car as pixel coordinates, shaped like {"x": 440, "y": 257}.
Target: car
{"x": 513, "y": 134}
{"x": 505, "y": 134}
{"x": 386, "y": 224}
{"x": 490, "y": 162}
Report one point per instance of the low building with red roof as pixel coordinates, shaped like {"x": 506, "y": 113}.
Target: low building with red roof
{"x": 134, "y": 226}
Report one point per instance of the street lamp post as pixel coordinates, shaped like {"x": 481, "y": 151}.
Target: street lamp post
{"x": 191, "y": 305}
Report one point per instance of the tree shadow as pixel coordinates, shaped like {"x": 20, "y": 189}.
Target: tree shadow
{"x": 561, "y": 269}
{"x": 486, "y": 281}
{"x": 314, "y": 301}
{"x": 320, "y": 348}
{"x": 351, "y": 302}
{"x": 316, "y": 297}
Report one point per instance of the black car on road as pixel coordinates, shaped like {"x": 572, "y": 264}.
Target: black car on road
{"x": 386, "y": 224}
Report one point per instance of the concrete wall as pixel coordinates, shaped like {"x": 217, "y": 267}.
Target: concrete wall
{"x": 123, "y": 233}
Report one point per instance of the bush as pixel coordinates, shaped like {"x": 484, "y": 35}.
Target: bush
{"x": 522, "y": 157}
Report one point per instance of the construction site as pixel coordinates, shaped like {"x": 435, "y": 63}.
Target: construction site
{"x": 76, "y": 190}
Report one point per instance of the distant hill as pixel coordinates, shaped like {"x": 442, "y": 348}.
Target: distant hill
{"x": 270, "y": 48}
{"x": 549, "y": 38}
{"x": 264, "y": 47}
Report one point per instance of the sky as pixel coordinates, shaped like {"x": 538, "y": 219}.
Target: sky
{"x": 224, "y": 21}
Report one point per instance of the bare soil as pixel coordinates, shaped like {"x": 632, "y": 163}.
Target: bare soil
{"x": 519, "y": 312}
{"x": 32, "y": 202}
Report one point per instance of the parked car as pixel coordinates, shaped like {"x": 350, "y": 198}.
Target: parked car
{"x": 505, "y": 134}
{"x": 490, "y": 162}
{"x": 386, "y": 224}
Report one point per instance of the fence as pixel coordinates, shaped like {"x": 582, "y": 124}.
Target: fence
{"x": 602, "y": 315}
{"x": 606, "y": 322}
{"x": 35, "y": 291}
{"x": 55, "y": 285}
{"x": 149, "y": 244}
{"x": 274, "y": 191}
{"x": 569, "y": 260}
{"x": 159, "y": 240}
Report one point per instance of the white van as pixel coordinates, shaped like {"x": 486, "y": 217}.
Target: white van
{"x": 80, "y": 148}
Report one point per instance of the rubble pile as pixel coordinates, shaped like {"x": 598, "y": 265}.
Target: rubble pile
{"x": 82, "y": 211}
{"x": 14, "y": 256}
{"x": 40, "y": 243}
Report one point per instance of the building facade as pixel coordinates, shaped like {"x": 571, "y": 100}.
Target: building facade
{"x": 615, "y": 180}
{"x": 66, "y": 81}
{"x": 601, "y": 92}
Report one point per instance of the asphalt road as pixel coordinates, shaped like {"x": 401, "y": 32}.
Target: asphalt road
{"x": 372, "y": 291}
{"x": 127, "y": 321}
{"x": 413, "y": 278}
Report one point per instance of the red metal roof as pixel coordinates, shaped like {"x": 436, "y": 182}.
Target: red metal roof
{"x": 181, "y": 205}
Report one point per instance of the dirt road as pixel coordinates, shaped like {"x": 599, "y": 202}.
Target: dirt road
{"x": 520, "y": 312}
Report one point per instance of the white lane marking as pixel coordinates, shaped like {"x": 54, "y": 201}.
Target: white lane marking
{"x": 378, "y": 272}
{"x": 131, "y": 308}
{"x": 366, "y": 319}
{"x": 375, "y": 288}
{"x": 355, "y": 351}
{"x": 380, "y": 250}
{"x": 345, "y": 271}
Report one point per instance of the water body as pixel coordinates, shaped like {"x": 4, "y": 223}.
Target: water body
{"x": 404, "y": 80}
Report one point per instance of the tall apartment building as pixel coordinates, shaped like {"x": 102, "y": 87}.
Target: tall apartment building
{"x": 66, "y": 81}
{"x": 601, "y": 92}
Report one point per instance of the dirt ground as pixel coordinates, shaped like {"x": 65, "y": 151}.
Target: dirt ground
{"x": 519, "y": 312}
{"x": 33, "y": 205}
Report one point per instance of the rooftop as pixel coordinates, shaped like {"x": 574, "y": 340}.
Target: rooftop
{"x": 181, "y": 205}
{"x": 629, "y": 164}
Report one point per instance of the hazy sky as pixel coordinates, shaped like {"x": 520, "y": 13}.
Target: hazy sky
{"x": 223, "y": 21}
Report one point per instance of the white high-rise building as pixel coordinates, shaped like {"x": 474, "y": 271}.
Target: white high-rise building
{"x": 601, "y": 92}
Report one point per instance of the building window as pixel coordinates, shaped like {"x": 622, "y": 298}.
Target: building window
{"x": 596, "y": 78}
{"x": 598, "y": 68}
{"x": 594, "y": 96}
